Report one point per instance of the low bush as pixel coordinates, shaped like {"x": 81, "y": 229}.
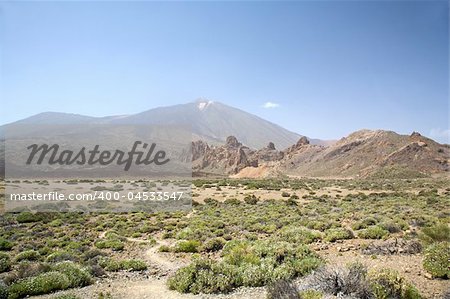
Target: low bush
{"x": 214, "y": 244}
{"x": 42, "y": 284}
{"x": 78, "y": 276}
{"x": 6, "y": 245}
{"x": 59, "y": 256}
{"x": 26, "y": 269}
{"x": 113, "y": 244}
{"x": 97, "y": 271}
{"x": 373, "y": 232}
{"x": 128, "y": 265}
{"x": 389, "y": 284}
{"x": 4, "y": 293}
{"x": 349, "y": 281}
{"x": 369, "y": 221}
{"x": 232, "y": 201}
{"x": 436, "y": 259}
{"x": 5, "y": 262}
{"x": 392, "y": 227}
{"x": 436, "y": 233}
{"x": 335, "y": 234}
{"x": 28, "y": 255}
{"x": 251, "y": 199}
{"x": 282, "y": 289}
{"x": 245, "y": 263}
{"x": 298, "y": 235}
{"x": 28, "y": 217}
{"x": 356, "y": 282}
{"x": 203, "y": 276}
{"x": 187, "y": 246}
{"x": 164, "y": 248}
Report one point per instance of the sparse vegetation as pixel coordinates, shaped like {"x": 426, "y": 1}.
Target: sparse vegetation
{"x": 128, "y": 265}
{"x": 437, "y": 259}
{"x": 245, "y": 234}
{"x": 245, "y": 263}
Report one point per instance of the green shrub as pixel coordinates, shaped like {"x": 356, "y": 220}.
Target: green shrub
{"x": 187, "y": 246}
{"x": 436, "y": 259}
{"x": 214, "y": 244}
{"x": 238, "y": 252}
{"x": 113, "y": 244}
{"x": 436, "y": 233}
{"x": 56, "y": 223}
{"x": 211, "y": 201}
{"x": 129, "y": 265}
{"x": 369, "y": 221}
{"x": 42, "y": 284}
{"x": 5, "y": 244}
{"x": 251, "y": 199}
{"x": 389, "y": 284}
{"x": 183, "y": 279}
{"x": 28, "y": 255}
{"x": 203, "y": 276}
{"x": 291, "y": 202}
{"x": 373, "y": 232}
{"x": 4, "y": 293}
{"x": 392, "y": 227}
{"x": 298, "y": 235}
{"x": 335, "y": 234}
{"x": 78, "y": 277}
{"x": 59, "y": 256}
{"x": 282, "y": 289}
{"x": 164, "y": 248}
{"x": 245, "y": 263}
{"x": 28, "y": 217}
{"x": 26, "y": 269}
{"x": 5, "y": 262}
{"x": 232, "y": 201}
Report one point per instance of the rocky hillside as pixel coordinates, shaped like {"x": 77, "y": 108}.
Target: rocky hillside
{"x": 364, "y": 153}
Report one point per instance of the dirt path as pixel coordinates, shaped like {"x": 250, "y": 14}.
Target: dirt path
{"x": 162, "y": 260}
{"x": 126, "y": 285}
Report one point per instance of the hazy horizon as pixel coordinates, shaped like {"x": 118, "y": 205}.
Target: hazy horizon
{"x": 320, "y": 69}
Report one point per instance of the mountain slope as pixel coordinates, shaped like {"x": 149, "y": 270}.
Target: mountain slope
{"x": 214, "y": 122}
{"x": 364, "y": 153}
{"x": 210, "y": 121}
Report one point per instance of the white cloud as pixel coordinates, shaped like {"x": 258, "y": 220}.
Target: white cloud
{"x": 269, "y": 105}
{"x": 442, "y": 135}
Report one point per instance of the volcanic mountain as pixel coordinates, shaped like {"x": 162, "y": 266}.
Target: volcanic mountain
{"x": 210, "y": 121}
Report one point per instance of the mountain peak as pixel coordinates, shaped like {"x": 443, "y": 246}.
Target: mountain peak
{"x": 203, "y": 103}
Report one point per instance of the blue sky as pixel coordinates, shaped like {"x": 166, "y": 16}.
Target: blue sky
{"x": 328, "y": 67}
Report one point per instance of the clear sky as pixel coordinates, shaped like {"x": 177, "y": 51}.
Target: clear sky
{"x": 322, "y": 69}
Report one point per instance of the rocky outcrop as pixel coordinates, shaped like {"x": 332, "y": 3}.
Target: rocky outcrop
{"x": 232, "y": 142}
{"x": 232, "y": 157}
{"x": 362, "y": 153}
{"x": 199, "y": 149}
{"x": 229, "y": 158}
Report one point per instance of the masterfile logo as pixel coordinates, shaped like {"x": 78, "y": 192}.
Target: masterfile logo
{"x": 97, "y": 156}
